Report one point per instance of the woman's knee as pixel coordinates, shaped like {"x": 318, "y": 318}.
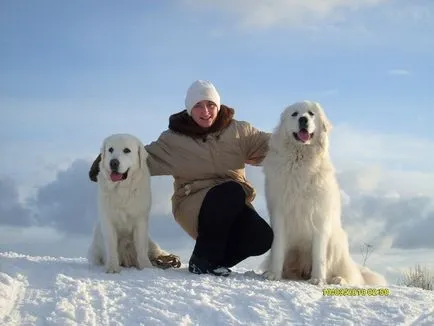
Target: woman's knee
{"x": 233, "y": 189}
{"x": 264, "y": 243}
{"x": 266, "y": 240}
{"x": 231, "y": 192}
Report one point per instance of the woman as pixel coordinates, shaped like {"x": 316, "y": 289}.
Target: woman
{"x": 205, "y": 149}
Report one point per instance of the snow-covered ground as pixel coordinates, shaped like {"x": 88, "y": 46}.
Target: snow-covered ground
{"x": 67, "y": 291}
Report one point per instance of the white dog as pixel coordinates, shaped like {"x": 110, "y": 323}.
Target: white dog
{"x": 303, "y": 200}
{"x": 124, "y": 195}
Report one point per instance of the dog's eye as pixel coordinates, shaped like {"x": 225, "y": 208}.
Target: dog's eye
{"x": 294, "y": 114}
{"x": 127, "y": 150}
{"x": 110, "y": 149}
{"x": 310, "y": 113}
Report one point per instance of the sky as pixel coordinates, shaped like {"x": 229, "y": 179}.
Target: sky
{"x": 74, "y": 72}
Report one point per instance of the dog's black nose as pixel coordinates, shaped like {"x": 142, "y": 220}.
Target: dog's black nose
{"x": 302, "y": 121}
{"x": 114, "y": 164}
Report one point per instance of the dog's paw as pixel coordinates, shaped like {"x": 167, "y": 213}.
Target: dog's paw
{"x": 338, "y": 280}
{"x": 269, "y": 275}
{"x": 166, "y": 261}
{"x": 316, "y": 281}
{"x": 113, "y": 269}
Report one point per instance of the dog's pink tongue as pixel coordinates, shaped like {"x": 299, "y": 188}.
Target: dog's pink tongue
{"x": 115, "y": 176}
{"x": 303, "y": 135}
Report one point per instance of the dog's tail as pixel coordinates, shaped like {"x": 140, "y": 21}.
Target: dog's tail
{"x": 372, "y": 278}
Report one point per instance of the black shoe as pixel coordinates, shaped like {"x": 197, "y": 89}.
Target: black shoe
{"x": 197, "y": 265}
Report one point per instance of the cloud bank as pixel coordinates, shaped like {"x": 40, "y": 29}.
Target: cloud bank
{"x": 68, "y": 205}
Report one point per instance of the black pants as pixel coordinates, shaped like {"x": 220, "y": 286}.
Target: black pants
{"x": 230, "y": 231}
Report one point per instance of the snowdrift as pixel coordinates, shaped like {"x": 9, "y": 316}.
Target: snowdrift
{"x": 67, "y": 291}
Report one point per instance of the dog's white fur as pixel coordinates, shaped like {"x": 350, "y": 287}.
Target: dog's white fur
{"x": 303, "y": 200}
{"x": 121, "y": 235}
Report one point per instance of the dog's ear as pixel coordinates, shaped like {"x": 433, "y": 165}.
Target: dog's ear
{"x": 102, "y": 150}
{"x": 143, "y": 156}
{"x": 326, "y": 124}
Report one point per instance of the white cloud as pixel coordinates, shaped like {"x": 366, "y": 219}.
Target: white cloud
{"x": 337, "y": 23}
{"x": 265, "y": 14}
{"x": 399, "y": 72}
{"x": 417, "y": 11}
{"x": 393, "y": 152}
{"x": 12, "y": 212}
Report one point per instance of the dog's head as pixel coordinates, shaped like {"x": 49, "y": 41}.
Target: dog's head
{"x": 121, "y": 156}
{"x": 305, "y": 122}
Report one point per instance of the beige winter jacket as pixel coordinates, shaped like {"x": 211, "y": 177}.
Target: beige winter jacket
{"x": 199, "y": 160}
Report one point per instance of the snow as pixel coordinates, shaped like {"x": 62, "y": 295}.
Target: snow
{"x": 67, "y": 291}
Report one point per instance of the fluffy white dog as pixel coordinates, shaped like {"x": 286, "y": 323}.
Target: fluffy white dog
{"x": 124, "y": 196}
{"x": 303, "y": 200}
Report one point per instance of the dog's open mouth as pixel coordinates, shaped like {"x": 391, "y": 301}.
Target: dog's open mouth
{"x": 116, "y": 177}
{"x": 303, "y": 135}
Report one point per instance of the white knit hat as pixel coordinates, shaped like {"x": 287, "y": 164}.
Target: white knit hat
{"x": 201, "y": 90}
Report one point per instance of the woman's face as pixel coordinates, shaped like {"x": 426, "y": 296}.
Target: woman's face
{"x": 204, "y": 113}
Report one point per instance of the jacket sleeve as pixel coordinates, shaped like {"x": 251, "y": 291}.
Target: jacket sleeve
{"x": 254, "y": 144}
{"x": 160, "y": 159}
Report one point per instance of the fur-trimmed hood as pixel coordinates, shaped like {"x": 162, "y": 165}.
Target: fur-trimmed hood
{"x": 183, "y": 123}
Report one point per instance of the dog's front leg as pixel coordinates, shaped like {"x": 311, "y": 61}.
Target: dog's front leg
{"x": 111, "y": 247}
{"x": 142, "y": 245}
{"x": 320, "y": 242}
{"x": 278, "y": 248}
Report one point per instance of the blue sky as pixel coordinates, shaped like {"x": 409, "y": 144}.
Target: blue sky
{"x": 74, "y": 72}
{"x": 367, "y": 66}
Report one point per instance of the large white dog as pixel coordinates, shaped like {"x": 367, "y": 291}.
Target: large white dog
{"x": 121, "y": 235}
{"x": 303, "y": 200}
